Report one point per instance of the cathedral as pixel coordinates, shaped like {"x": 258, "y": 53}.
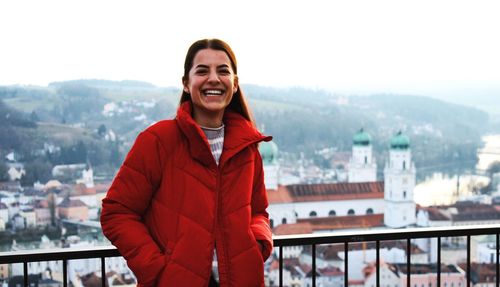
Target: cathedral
{"x": 361, "y": 202}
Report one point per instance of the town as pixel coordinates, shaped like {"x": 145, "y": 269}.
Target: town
{"x": 65, "y": 214}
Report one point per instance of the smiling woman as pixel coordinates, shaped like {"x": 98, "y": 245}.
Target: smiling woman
{"x": 211, "y": 84}
{"x": 188, "y": 206}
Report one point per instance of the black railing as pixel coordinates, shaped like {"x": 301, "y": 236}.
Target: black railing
{"x": 312, "y": 240}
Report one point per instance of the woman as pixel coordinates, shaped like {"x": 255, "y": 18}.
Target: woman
{"x": 193, "y": 186}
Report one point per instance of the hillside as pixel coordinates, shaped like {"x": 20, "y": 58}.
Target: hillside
{"x": 301, "y": 120}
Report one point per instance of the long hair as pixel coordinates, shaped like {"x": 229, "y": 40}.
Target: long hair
{"x": 238, "y": 103}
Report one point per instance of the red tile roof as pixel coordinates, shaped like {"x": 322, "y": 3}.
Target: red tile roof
{"x": 71, "y": 203}
{"x": 310, "y": 225}
{"x": 326, "y": 191}
{"x": 481, "y": 272}
{"x": 435, "y": 214}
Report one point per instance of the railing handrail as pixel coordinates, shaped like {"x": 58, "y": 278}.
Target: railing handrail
{"x": 283, "y": 240}
{"x": 385, "y": 234}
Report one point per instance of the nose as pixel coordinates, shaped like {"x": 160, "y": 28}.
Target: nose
{"x": 213, "y": 77}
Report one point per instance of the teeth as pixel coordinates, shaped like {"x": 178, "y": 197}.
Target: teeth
{"x": 213, "y": 92}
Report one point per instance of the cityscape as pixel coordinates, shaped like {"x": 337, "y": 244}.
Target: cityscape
{"x": 63, "y": 212}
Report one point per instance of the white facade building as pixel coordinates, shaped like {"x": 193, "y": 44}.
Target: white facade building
{"x": 362, "y": 167}
{"x": 399, "y": 183}
{"x": 269, "y": 153}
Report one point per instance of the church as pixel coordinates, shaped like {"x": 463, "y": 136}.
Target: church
{"x": 361, "y": 202}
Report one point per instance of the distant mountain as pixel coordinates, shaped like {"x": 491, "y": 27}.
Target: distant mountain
{"x": 301, "y": 120}
{"x": 96, "y": 83}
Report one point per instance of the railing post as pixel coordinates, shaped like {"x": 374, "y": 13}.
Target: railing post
{"x": 468, "y": 261}
{"x": 346, "y": 264}
{"x": 65, "y": 273}
{"x": 25, "y": 271}
{"x": 103, "y": 272}
{"x": 497, "y": 261}
{"x": 314, "y": 265}
{"x": 281, "y": 266}
{"x": 438, "y": 263}
{"x": 377, "y": 244}
{"x": 408, "y": 262}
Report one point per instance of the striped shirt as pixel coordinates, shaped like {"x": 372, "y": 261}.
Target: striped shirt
{"x": 215, "y": 137}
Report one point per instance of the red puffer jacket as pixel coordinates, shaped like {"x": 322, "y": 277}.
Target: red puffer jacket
{"x": 170, "y": 203}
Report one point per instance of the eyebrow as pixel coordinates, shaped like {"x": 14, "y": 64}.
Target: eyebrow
{"x": 206, "y": 66}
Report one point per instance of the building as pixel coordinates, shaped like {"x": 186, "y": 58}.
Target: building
{"x": 43, "y": 213}
{"x": 361, "y": 196}
{"x": 269, "y": 154}
{"x": 362, "y": 166}
{"x": 290, "y": 203}
{"x": 420, "y": 275}
{"x": 399, "y": 182}
{"x": 73, "y": 209}
{"x": 482, "y": 274}
{"x": 4, "y": 215}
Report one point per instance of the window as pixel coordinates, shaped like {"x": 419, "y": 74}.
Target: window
{"x": 369, "y": 211}
{"x": 271, "y": 223}
{"x": 404, "y": 194}
{"x": 283, "y": 221}
{"x": 332, "y": 213}
{"x": 404, "y": 164}
{"x": 366, "y": 159}
{"x": 350, "y": 212}
{"x": 313, "y": 214}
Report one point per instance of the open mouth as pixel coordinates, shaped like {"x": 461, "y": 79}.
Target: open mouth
{"x": 213, "y": 93}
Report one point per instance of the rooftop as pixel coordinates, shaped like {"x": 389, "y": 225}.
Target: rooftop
{"x": 327, "y": 192}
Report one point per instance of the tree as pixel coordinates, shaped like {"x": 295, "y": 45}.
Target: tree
{"x": 101, "y": 131}
{"x": 493, "y": 168}
{"x": 3, "y": 171}
{"x": 37, "y": 170}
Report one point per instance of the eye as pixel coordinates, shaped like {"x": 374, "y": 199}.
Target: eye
{"x": 202, "y": 71}
{"x": 224, "y": 71}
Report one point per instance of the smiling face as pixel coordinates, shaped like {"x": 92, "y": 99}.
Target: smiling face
{"x": 211, "y": 83}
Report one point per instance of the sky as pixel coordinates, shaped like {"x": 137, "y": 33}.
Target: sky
{"x": 413, "y": 47}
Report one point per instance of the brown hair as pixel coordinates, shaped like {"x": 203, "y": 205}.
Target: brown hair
{"x": 238, "y": 103}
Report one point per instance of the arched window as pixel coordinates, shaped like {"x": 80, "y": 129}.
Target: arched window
{"x": 404, "y": 194}
{"x": 369, "y": 211}
{"x": 271, "y": 223}
{"x": 350, "y": 212}
{"x": 313, "y": 214}
{"x": 332, "y": 213}
{"x": 283, "y": 221}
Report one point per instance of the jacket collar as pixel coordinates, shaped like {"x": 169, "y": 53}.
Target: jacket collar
{"x": 238, "y": 134}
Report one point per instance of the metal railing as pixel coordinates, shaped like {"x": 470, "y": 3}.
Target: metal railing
{"x": 312, "y": 240}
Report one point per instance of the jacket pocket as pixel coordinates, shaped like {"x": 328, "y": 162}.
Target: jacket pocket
{"x": 256, "y": 245}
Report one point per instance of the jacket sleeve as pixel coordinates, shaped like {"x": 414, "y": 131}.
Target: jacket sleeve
{"x": 260, "y": 217}
{"x": 125, "y": 204}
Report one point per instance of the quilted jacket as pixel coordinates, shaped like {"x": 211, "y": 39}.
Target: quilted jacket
{"x": 170, "y": 204}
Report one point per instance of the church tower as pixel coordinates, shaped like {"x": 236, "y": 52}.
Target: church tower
{"x": 362, "y": 167}
{"x": 399, "y": 183}
{"x": 269, "y": 154}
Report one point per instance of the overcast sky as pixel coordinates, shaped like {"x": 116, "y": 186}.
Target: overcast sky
{"x": 346, "y": 46}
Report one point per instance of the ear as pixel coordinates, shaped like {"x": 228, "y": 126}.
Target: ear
{"x": 185, "y": 87}
{"x": 236, "y": 84}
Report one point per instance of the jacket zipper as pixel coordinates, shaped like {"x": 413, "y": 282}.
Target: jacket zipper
{"x": 219, "y": 242}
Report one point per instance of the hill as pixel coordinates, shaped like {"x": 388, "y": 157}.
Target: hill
{"x": 301, "y": 120}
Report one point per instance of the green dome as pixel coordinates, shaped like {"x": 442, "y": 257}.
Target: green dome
{"x": 269, "y": 152}
{"x": 361, "y": 138}
{"x": 400, "y": 141}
